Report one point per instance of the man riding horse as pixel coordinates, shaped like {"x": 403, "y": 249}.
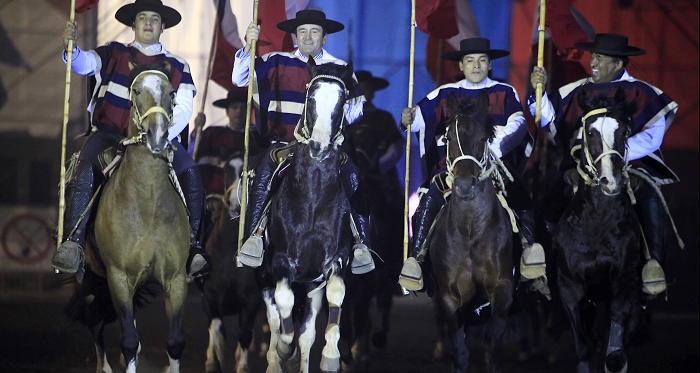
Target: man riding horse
{"x": 430, "y": 117}
{"x": 655, "y": 111}
{"x": 281, "y": 80}
{"x": 110, "y": 105}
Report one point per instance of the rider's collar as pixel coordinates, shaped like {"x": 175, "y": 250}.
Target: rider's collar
{"x": 158, "y": 48}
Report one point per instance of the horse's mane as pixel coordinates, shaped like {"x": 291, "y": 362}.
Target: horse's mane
{"x": 477, "y": 111}
{"x": 162, "y": 66}
{"x": 344, "y": 72}
{"x": 617, "y": 106}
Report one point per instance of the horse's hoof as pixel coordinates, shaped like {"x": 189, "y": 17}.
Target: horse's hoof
{"x": 330, "y": 365}
{"x": 616, "y": 362}
{"x": 286, "y": 353}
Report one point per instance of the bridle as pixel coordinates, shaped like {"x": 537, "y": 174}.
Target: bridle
{"x": 588, "y": 171}
{"x": 139, "y": 118}
{"x": 485, "y": 164}
{"x": 301, "y": 132}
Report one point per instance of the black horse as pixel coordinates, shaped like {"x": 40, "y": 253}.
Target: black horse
{"x": 229, "y": 290}
{"x": 309, "y": 224}
{"x": 598, "y": 238}
{"x": 471, "y": 245}
{"x": 365, "y": 332}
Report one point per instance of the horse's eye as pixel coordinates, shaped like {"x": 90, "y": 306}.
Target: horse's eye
{"x": 172, "y": 94}
{"x": 136, "y": 91}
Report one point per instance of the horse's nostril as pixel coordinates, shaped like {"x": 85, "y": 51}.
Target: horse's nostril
{"x": 604, "y": 181}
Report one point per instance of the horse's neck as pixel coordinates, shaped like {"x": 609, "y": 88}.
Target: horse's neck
{"x": 306, "y": 171}
{"x": 597, "y": 204}
{"x": 140, "y": 166}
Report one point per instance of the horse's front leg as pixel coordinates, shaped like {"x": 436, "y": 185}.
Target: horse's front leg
{"x": 98, "y": 336}
{"x": 273, "y": 320}
{"x": 620, "y": 310}
{"x": 571, "y": 295}
{"x": 175, "y": 296}
{"x": 122, "y": 298}
{"x": 308, "y": 328}
{"x": 501, "y": 299}
{"x": 284, "y": 298}
{"x": 335, "y": 293}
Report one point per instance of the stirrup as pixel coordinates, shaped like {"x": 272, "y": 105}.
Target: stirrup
{"x": 532, "y": 262}
{"x": 362, "y": 261}
{"x": 198, "y": 262}
{"x": 69, "y": 257}
{"x": 540, "y": 284}
{"x": 411, "y": 277}
{"x": 252, "y": 252}
{"x": 653, "y": 278}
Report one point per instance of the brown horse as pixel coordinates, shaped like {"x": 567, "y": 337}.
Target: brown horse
{"x": 471, "y": 241}
{"x": 141, "y": 227}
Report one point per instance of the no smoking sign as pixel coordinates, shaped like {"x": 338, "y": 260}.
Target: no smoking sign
{"x": 26, "y": 239}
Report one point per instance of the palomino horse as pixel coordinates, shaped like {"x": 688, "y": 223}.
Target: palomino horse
{"x": 471, "y": 242}
{"x": 141, "y": 227}
{"x": 309, "y": 227}
{"x": 598, "y": 237}
{"x": 229, "y": 290}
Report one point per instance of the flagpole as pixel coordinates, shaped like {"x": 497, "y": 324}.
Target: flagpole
{"x": 408, "y": 132}
{"x": 207, "y": 76}
{"x": 66, "y": 107}
{"x": 246, "y": 141}
{"x": 540, "y": 63}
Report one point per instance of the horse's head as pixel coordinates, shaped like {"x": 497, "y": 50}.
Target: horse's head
{"x": 152, "y": 98}
{"x": 606, "y": 125}
{"x": 322, "y": 122}
{"x": 468, "y": 134}
{"x": 232, "y": 178}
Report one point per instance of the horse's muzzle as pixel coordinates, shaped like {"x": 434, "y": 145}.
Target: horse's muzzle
{"x": 464, "y": 187}
{"x": 318, "y": 152}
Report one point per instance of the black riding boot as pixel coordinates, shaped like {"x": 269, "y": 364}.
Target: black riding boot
{"x": 69, "y": 257}
{"x": 532, "y": 260}
{"x": 411, "y": 277}
{"x": 252, "y": 251}
{"x": 650, "y": 212}
{"x": 362, "y": 261}
{"x": 198, "y": 261}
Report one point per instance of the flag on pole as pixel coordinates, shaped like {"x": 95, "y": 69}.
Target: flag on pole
{"x": 227, "y": 43}
{"x": 466, "y": 26}
{"x": 84, "y": 5}
{"x": 437, "y": 18}
{"x": 270, "y": 13}
{"x": 566, "y": 26}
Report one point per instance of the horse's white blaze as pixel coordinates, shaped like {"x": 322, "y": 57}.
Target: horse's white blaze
{"x": 607, "y": 127}
{"x": 327, "y": 96}
{"x": 152, "y": 84}
{"x": 307, "y": 338}
{"x": 215, "y": 350}
{"x": 234, "y": 198}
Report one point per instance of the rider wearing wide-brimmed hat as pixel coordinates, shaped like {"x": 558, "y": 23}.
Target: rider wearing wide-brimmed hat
{"x": 655, "y": 111}
{"x": 110, "y": 109}
{"x": 429, "y": 117}
{"x": 279, "y": 82}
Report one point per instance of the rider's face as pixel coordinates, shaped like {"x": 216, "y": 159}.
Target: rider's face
{"x": 310, "y": 39}
{"x": 148, "y": 26}
{"x": 475, "y": 67}
{"x": 604, "y": 68}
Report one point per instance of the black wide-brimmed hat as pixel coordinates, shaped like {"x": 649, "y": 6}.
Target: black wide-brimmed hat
{"x": 610, "y": 45}
{"x": 127, "y": 13}
{"x": 310, "y": 17}
{"x": 375, "y": 82}
{"x": 237, "y": 95}
{"x": 472, "y": 46}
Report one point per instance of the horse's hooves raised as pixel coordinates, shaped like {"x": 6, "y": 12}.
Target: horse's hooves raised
{"x": 330, "y": 365}
{"x": 616, "y": 362}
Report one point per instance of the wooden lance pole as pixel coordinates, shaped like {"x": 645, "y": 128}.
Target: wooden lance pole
{"x": 66, "y": 107}
{"x": 540, "y": 64}
{"x": 246, "y": 141}
{"x": 212, "y": 48}
{"x": 407, "y": 178}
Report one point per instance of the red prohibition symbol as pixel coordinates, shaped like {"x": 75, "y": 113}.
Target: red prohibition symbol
{"x": 26, "y": 239}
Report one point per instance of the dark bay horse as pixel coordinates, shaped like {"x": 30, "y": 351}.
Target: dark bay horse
{"x": 229, "y": 290}
{"x": 471, "y": 242}
{"x": 598, "y": 238}
{"x": 309, "y": 225}
{"x": 141, "y": 225}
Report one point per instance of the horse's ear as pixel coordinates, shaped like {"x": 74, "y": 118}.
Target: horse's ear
{"x": 133, "y": 63}
{"x": 482, "y": 101}
{"x": 311, "y": 67}
{"x": 349, "y": 71}
{"x": 166, "y": 65}
{"x": 452, "y": 105}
